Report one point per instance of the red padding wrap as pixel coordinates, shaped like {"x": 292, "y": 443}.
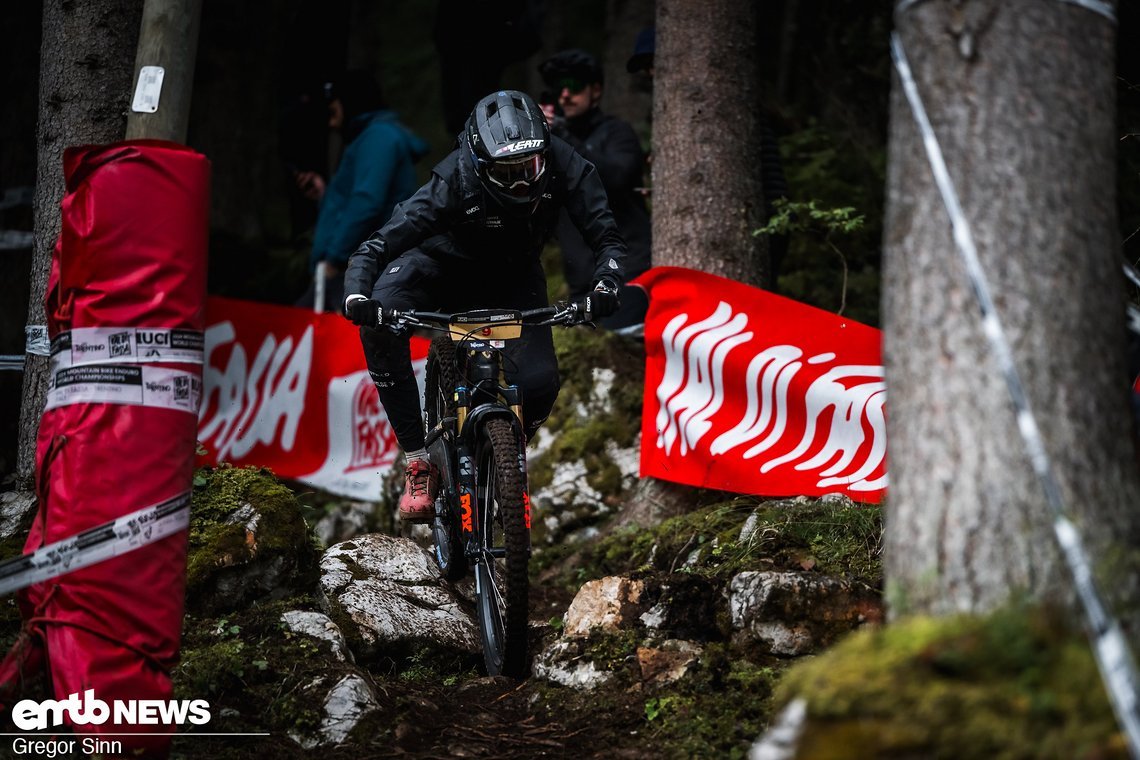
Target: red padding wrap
{"x": 131, "y": 254}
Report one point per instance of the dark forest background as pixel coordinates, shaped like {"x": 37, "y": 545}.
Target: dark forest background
{"x": 824, "y": 70}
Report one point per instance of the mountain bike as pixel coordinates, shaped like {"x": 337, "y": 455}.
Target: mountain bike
{"x": 475, "y": 436}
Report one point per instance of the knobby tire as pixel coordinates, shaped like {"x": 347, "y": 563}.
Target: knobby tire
{"x": 440, "y": 378}
{"x": 505, "y": 586}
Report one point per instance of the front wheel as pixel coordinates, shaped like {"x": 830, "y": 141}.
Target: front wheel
{"x": 502, "y": 581}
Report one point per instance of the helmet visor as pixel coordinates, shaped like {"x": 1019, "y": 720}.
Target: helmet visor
{"x": 517, "y": 175}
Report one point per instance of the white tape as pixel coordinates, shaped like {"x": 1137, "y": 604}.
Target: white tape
{"x": 100, "y": 345}
{"x": 111, "y": 539}
{"x": 124, "y": 384}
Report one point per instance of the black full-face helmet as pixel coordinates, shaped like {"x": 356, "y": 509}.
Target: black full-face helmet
{"x": 509, "y": 138}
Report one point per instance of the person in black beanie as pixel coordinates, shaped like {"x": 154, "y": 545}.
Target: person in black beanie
{"x": 574, "y": 85}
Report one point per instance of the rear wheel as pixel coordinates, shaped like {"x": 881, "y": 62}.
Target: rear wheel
{"x": 503, "y": 581}
{"x": 439, "y": 403}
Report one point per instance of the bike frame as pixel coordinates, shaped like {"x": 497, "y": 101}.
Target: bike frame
{"x": 469, "y": 433}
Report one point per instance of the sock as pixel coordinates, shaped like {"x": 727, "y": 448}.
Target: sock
{"x": 417, "y": 455}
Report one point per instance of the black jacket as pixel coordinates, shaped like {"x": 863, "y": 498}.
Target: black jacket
{"x": 452, "y": 215}
{"x": 612, "y": 146}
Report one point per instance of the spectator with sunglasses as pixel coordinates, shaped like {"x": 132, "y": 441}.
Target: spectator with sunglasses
{"x": 574, "y": 85}
{"x": 472, "y": 237}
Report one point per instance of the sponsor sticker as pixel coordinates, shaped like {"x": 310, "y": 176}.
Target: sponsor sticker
{"x": 92, "y": 345}
{"x": 124, "y": 384}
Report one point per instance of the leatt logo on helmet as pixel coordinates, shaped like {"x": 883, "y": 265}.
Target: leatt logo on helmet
{"x": 515, "y": 147}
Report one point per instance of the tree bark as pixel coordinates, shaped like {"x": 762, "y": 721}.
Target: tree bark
{"x": 1021, "y": 97}
{"x": 707, "y": 196}
{"x": 86, "y": 63}
{"x": 168, "y": 38}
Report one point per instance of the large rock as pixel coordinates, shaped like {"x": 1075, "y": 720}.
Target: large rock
{"x": 318, "y": 626}
{"x": 797, "y": 613}
{"x": 345, "y": 705}
{"x": 669, "y": 661}
{"x": 385, "y": 592}
{"x": 677, "y": 606}
{"x": 608, "y": 604}
{"x": 566, "y": 662}
{"x": 248, "y": 542}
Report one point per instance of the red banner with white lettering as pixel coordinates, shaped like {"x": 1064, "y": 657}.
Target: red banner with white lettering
{"x": 750, "y": 392}
{"x": 288, "y": 389}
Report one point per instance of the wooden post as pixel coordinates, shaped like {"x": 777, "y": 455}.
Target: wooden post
{"x": 168, "y": 46}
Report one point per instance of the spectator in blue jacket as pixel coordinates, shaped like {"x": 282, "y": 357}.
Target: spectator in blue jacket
{"x": 376, "y": 172}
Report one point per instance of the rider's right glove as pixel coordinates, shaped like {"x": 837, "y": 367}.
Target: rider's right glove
{"x": 600, "y": 302}
{"x": 363, "y": 312}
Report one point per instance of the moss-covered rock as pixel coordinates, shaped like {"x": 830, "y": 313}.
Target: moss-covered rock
{"x": 248, "y": 541}
{"x": 252, "y": 669}
{"x": 584, "y": 463}
{"x": 831, "y": 536}
{"x": 1015, "y": 684}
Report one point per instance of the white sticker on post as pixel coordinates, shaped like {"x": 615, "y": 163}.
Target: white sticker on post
{"x": 148, "y": 89}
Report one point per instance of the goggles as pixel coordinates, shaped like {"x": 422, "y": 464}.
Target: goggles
{"x": 573, "y": 84}
{"x": 515, "y": 175}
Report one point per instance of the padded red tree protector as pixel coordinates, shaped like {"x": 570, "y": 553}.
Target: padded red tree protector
{"x": 131, "y": 254}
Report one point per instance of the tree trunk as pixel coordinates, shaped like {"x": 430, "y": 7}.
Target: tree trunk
{"x": 168, "y": 38}
{"x": 707, "y": 196}
{"x": 1021, "y": 97}
{"x": 86, "y": 64}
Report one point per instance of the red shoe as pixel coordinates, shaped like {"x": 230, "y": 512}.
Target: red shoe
{"x": 421, "y": 482}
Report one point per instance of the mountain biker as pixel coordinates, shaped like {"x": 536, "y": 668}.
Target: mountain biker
{"x": 471, "y": 237}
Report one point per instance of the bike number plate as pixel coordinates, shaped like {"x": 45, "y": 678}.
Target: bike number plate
{"x": 488, "y": 331}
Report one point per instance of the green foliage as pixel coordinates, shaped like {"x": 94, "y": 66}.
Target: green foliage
{"x": 245, "y": 661}
{"x": 796, "y": 216}
{"x": 843, "y": 186}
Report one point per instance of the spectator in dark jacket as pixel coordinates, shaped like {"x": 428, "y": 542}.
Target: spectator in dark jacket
{"x": 574, "y": 85}
{"x": 376, "y": 172}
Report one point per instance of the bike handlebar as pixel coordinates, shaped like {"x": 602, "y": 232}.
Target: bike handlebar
{"x": 559, "y": 313}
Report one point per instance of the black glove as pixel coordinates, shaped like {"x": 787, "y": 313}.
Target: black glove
{"x": 364, "y": 312}
{"x": 601, "y": 302}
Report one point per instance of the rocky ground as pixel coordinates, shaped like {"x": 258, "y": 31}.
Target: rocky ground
{"x": 739, "y": 627}
{"x": 662, "y": 642}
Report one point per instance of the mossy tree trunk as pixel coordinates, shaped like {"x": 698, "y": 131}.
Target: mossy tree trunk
{"x": 706, "y": 168}
{"x": 86, "y": 66}
{"x": 1021, "y": 97}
